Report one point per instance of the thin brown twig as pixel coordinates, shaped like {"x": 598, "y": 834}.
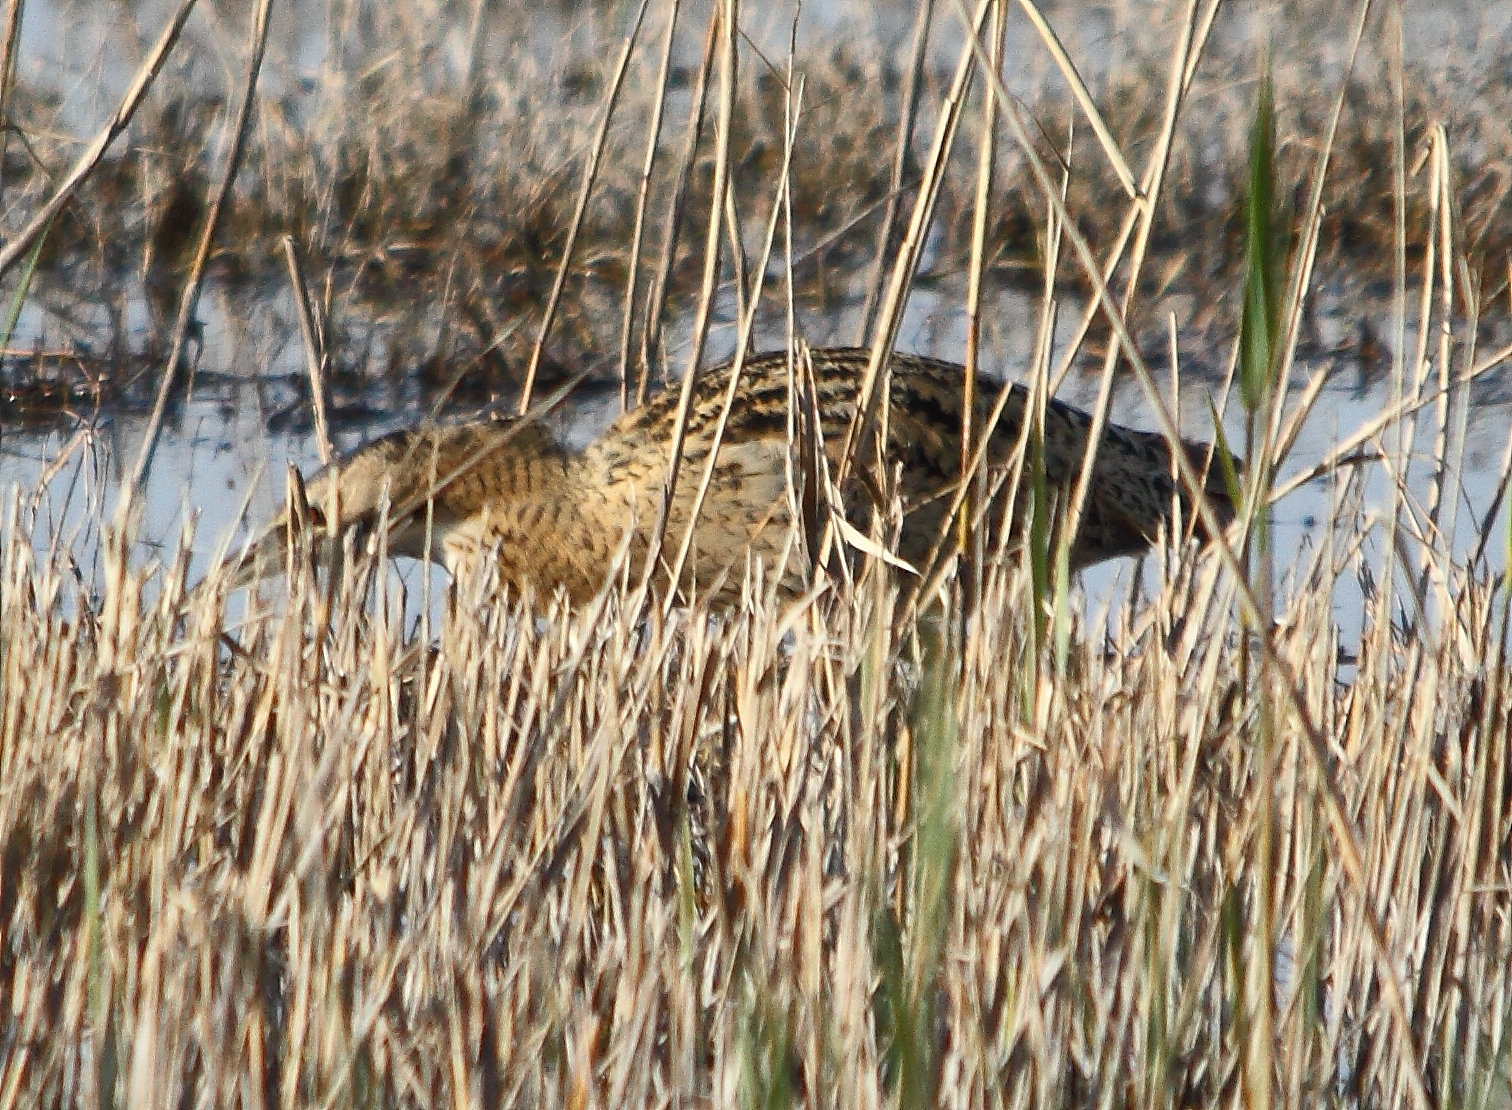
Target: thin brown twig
{"x": 190, "y": 299}
{"x": 590, "y": 174}
{"x": 316, "y": 355}
{"x": 17, "y": 248}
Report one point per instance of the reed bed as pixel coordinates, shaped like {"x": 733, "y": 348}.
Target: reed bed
{"x": 788, "y": 853}
{"x": 976, "y": 841}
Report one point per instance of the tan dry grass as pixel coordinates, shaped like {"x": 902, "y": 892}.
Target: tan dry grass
{"x": 580, "y": 862}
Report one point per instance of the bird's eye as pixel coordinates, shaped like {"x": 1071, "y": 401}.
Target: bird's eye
{"x": 317, "y": 517}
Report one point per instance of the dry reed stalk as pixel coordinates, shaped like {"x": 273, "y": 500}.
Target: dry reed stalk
{"x": 14, "y": 250}
{"x": 1400, "y": 446}
{"x": 189, "y": 301}
{"x": 642, "y": 195}
{"x": 585, "y": 190}
{"x": 1450, "y": 410}
{"x": 901, "y": 148}
{"x": 866, "y": 425}
{"x": 986, "y": 161}
{"x": 746, "y": 322}
{"x": 10, "y": 41}
{"x": 1277, "y": 438}
{"x": 317, "y": 358}
{"x": 1084, "y": 100}
{"x": 1338, "y": 815}
{"x": 656, "y": 296}
{"x": 1349, "y": 450}
{"x": 1143, "y": 215}
{"x": 725, "y": 14}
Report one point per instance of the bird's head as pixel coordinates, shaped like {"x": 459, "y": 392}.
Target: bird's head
{"x": 400, "y": 482}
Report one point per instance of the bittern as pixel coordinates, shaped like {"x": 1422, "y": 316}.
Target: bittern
{"x": 551, "y": 518}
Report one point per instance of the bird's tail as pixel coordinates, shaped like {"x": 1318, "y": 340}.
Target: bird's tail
{"x": 1219, "y": 470}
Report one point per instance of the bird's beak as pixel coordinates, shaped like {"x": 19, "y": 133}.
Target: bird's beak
{"x": 269, "y": 555}
{"x": 303, "y": 531}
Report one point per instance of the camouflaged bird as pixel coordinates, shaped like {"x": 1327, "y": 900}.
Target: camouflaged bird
{"x": 550, "y": 518}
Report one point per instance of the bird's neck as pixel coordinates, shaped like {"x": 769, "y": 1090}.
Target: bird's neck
{"x": 532, "y": 519}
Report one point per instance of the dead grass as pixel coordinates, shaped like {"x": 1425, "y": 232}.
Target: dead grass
{"x": 584, "y": 862}
{"x": 830, "y": 850}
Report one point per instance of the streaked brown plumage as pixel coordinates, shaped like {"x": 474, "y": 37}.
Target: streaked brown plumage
{"x": 553, "y": 518}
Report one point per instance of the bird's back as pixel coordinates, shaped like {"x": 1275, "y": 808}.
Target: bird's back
{"x": 1130, "y": 495}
